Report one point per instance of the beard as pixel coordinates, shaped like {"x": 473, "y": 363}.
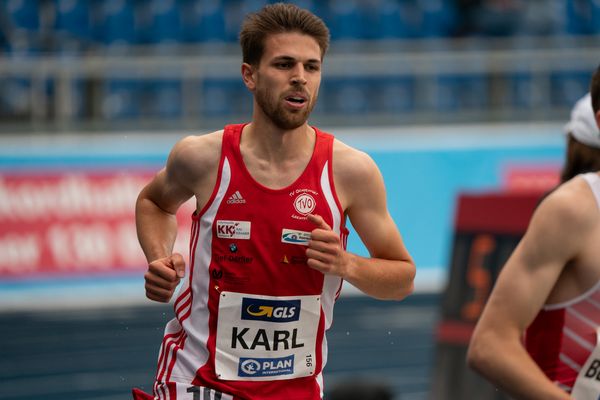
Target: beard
{"x": 280, "y": 116}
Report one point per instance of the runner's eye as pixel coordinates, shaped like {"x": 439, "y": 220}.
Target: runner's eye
{"x": 313, "y": 67}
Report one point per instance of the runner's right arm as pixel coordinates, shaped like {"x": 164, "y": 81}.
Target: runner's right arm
{"x": 187, "y": 174}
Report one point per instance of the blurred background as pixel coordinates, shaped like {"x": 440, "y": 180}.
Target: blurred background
{"x": 455, "y": 100}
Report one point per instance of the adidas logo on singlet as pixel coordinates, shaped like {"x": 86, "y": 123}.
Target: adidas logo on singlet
{"x": 236, "y": 198}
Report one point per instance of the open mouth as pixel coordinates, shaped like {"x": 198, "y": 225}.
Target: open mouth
{"x": 296, "y": 99}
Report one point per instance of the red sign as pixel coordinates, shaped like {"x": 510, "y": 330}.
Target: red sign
{"x": 531, "y": 178}
{"x": 81, "y": 222}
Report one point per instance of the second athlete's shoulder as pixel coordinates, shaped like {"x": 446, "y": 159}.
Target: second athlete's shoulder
{"x": 571, "y": 205}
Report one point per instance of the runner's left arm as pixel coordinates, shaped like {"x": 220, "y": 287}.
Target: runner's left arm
{"x": 389, "y": 272}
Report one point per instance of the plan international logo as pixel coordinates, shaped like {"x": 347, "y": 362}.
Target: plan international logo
{"x": 258, "y": 367}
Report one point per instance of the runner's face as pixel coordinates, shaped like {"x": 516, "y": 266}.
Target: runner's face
{"x": 288, "y": 78}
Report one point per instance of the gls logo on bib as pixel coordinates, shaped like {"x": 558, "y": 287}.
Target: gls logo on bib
{"x": 270, "y": 310}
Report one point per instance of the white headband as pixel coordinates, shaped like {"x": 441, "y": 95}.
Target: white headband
{"x": 583, "y": 123}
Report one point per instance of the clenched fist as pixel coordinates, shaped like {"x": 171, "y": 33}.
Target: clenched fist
{"x": 163, "y": 276}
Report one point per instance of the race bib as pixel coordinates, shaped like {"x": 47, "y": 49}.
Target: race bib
{"x": 587, "y": 384}
{"x": 265, "y": 337}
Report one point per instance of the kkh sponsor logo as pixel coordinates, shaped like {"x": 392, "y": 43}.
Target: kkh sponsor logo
{"x": 258, "y": 367}
{"x": 233, "y": 229}
{"x": 270, "y": 310}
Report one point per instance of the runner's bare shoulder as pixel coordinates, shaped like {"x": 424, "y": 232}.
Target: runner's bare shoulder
{"x": 195, "y": 157}
{"x": 351, "y": 165}
{"x": 355, "y": 173}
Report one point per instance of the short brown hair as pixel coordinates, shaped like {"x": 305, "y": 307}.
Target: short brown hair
{"x": 580, "y": 159}
{"x": 279, "y": 18}
{"x": 595, "y": 90}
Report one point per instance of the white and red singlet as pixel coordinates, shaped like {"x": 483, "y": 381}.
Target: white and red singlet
{"x": 563, "y": 338}
{"x": 251, "y": 316}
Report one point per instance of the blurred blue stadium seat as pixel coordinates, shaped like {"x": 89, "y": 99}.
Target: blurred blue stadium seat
{"x": 409, "y": 18}
{"x": 73, "y": 34}
{"x": 596, "y": 16}
{"x": 72, "y": 17}
{"x": 394, "y": 94}
{"x": 346, "y": 19}
{"x": 114, "y": 23}
{"x": 543, "y": 18}
{"x": 15, "y": 98}
{"x": 520, "y": 90}
{"x": 385, "y": 20}
{"x": 313, "y": 5}
{"x": 216, "y": 97}
{"x": 346, "y": 95}
{"x": 461, "y": 93}
{"x": 159, "y": 22}
{"x": 23, "y": 14}
{"x": 438, "y": 18}
{"x": 241, "y": 99}
{"x": 162, "y": 98}
{"x": 121, "y": 99}
{"x": 580, "y": 16}
{"x": 4, "y": 44}
{"x": 116, "y": 26}
{"x": 235, "y": 11}
{"x": 367, "y": 94}
{"x": 569, "y": 86}
{"x": 77, "y": 92}
{"x": 202, "y": 21}
{"x": 21, "y": 22}
{"x": 225, "y": 96}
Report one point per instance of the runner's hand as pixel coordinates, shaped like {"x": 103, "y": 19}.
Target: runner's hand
{"x": 163, "y": 276}
{"x": 325, "y": 252}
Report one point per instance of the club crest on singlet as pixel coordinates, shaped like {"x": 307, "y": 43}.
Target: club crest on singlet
{"x": 304, "y": 201}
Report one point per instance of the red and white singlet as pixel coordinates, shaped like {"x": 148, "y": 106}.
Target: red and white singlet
{"x": 251, "y": 317}
{"x": 563, "y": 336}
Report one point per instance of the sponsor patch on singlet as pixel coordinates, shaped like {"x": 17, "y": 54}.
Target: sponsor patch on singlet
{"x": 295, "y": 237}
{"x": 266, "y": 337}
{"x": 233, "y": 229}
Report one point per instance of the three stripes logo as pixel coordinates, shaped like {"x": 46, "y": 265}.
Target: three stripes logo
{"x": 236, "y": 198}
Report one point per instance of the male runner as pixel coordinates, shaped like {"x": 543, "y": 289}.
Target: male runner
{"x": 268, "y": 237}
